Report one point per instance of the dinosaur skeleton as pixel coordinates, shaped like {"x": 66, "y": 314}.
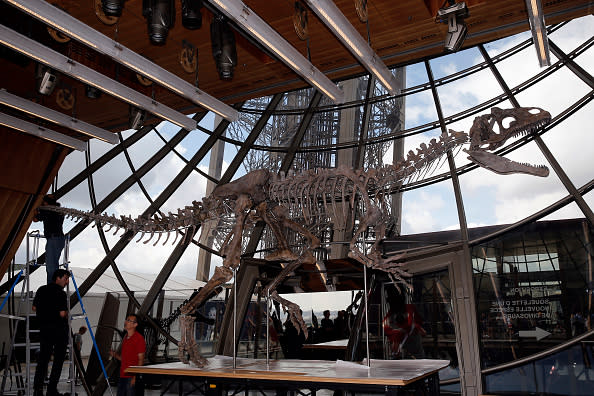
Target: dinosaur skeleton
{"x": 308, "y": 202}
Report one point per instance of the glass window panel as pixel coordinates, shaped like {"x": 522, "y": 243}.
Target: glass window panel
{"x": 193, "y": 188}
{"x": 431, "y": 208}
{"x": 160, "y": 176}
{"x": 570, "y": 140}
{"x": 109, "y": 176}
{"x": 498, "y": 47}
{"x": 568, "y": 372}
{"x": 452, "y": 63}
{"x": 532, "y": 288}
{"x": 541, "y": 94}
{"x": 586, "y": 59}
{"x": 574, "y": 33}
{"x": 467, "y": 92}
{"x": 420, "y": 109}
{"x": 144, "y": 149}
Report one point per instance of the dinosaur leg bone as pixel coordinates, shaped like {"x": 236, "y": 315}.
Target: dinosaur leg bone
{"x": 187, "y": 345}
{"x": 292, "y": 309}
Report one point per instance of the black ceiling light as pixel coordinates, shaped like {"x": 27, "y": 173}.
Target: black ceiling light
{"x": 454, "y": 15}
{"x": 160, "y": 16}
{"x": 191, "y": 15}
{"x": 46, "y": 79}
{"x": 223, "y": 47}
{"x": 112, "y": 7}
{"x": 136, "y": 117}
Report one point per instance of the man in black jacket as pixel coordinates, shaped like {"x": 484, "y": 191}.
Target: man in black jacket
{"x": 51, "y": 307}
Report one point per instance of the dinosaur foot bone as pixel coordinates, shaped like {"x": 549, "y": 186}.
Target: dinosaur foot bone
{"x": 187, "y": 347}
{"x": 293, "y": 311}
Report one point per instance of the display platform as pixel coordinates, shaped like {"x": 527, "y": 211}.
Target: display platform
{"x": 385, "y": 376}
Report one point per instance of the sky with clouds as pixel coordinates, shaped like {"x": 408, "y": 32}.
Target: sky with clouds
{"x": 488, "y": 198}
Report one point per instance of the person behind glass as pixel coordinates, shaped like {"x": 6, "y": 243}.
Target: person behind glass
{"x": 54, "y": 235}
{"x": 131, "y": 354}
{"x": 78, "y": 341}
{"x": 327, "y": 327}
{"x": 50, "y": 306}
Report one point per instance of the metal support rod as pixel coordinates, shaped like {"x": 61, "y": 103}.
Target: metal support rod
{"x": 268, "y": 329}
{"x": 235, "y": 340}
{"x": 366, "y": 314}
{"x": 65, "y": 263}
{"x": 27, "y": 382}
{"x": 84, "y": 312}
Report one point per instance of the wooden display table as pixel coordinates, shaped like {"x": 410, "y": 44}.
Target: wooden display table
{"x": 384, "y": 376}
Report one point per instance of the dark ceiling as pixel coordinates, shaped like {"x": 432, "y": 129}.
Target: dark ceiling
{"x": 401, "y": 32}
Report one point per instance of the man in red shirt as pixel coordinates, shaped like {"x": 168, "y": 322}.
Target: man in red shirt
{"x": 131, "y": 354}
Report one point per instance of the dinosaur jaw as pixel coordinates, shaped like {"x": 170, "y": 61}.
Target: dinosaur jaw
{"x": 504, "y": 166}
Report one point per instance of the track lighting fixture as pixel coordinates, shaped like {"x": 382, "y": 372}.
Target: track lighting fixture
{"x": 37, "y": 110}
{"x": 160, "y": 16}
{"x": 539, "y": 31}
{"x": 55, "y": 60}
{"x": 136, "y": 117}
{"x": 59, "y": 20}
{"x": 44, "y": 133}
{"x": 46, "y": 80}
{"x": 112, "y": 7}
{"x": 191, "y": 15}
{"x": 454, "y": 15}
{"x": 239, "y": 13}
{"x": 335, "y": 20}
{"x": 223, "y": 47}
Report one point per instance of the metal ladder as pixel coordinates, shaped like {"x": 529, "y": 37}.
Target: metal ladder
{"x": 23, "y": 314}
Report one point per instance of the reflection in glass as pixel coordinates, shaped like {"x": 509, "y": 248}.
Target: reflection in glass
{"x": 533, "y": 290}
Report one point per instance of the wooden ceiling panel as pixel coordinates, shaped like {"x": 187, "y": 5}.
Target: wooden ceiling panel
{"x": 400, "y": 32}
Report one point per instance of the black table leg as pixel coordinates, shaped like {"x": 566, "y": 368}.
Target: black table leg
{"x": 433, "y": 382}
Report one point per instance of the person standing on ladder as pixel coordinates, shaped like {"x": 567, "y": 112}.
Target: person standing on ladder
{"x": 54, "y": 235}
{"x": 131, "y": 354}
{"x": 51, "y": 306}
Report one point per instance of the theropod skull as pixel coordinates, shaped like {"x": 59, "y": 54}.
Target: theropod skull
{"x": 491, "y": 131}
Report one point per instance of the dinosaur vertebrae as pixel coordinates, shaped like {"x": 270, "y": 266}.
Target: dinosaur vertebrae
{"x": 188, "y": 217}
{"x": 325, "y": 195}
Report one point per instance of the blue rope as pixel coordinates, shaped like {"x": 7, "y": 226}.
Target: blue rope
{"x": 91, "y": 332}
{"x": 11, "y": 289}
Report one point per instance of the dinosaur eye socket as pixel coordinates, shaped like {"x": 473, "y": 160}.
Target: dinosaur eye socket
{"x": 506, "y": 122}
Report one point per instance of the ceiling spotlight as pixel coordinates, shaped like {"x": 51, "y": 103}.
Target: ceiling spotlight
{"x": 112, "y": 7}
{"x": 92, "y": 92}
{"x": 454, "y": 15}
{"x": 223, "y": 47}
{"x": 136, "y": 117}
{"x": 191, "y": 15}
{"x": 46, "y": 80}
{"x": 160, "y": 15}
